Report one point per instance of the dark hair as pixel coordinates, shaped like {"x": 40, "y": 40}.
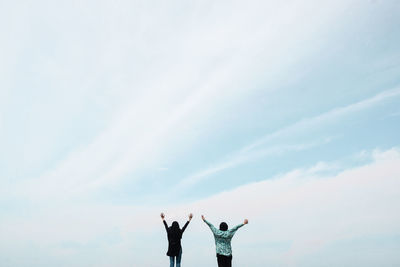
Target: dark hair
{"x": 175, "y": 231}
{"x": 223, "y": 226}
{"x": 175, "y": 225}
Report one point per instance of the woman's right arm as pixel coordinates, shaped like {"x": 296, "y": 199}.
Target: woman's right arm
{"x": 164, "y": 222}
{"x": 213, "y": 229}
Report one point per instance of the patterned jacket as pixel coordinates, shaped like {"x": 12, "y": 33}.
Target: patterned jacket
{"x": 223, "y": 238}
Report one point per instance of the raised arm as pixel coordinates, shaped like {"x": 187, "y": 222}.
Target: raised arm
{"x": 234, "y": 229}
{"x": 187, "y": 223}
{"x": 213, "y": 229}
{"x": 165, "y": 223}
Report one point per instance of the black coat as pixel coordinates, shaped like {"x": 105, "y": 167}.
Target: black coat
{"x": 174, "y": 239}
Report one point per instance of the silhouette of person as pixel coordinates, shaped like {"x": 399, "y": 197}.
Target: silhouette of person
{"x": 174, "y": 234}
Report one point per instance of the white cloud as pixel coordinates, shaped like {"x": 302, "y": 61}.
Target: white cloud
{"x": 335, "y": 113}
{"x": 255, "y": 150}
{"x": 395, "y": 114}
{"x": 301, "y": 208}
{"x": 311, "y": 211}
{"x": 191, "y": 75}
{"x": 241, "y": 158}
{"x": 147, "y": 71}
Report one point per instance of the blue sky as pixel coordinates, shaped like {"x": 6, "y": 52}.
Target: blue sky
{"x": 284, "y": 113}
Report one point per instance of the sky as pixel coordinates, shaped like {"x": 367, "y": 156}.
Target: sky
{"x": 286, "y": 113}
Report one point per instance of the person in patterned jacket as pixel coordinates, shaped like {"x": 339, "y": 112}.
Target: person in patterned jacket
{"x": 223, "y": 237}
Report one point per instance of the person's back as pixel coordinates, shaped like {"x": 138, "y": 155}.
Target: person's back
{"x": 174, "y": 234}
{"x": 223, "y": 237}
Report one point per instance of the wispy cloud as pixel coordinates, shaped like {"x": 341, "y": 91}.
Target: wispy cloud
{"x": 98, "y": 98}
{"x": 312, "y": 211}
{"x": 301, "y": 209}
{"x": 335, "y": 113}
{"x": 253, "y": 150}
{"x": 394, "y": 114}
{"x": 242, "y": 158}
{"x": 187, "y": 88}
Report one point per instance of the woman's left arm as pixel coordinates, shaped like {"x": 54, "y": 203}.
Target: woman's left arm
{"x": 234, "y": 229}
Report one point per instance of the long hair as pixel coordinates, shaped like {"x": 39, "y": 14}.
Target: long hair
{"x": 175, "y": 231}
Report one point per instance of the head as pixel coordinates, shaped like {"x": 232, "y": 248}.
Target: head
{"x": 175, "y": 225}
{"x": 175, "y": 230}
{"x": 223, "y": 226}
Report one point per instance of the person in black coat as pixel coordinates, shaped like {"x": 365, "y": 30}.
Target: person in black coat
{"x": 174, "y": 234}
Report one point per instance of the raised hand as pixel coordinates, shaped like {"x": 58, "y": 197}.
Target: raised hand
{"x": 202, "y": 217}
{"x": 162, "y": 216}
{"x": 190, "y": 216}
{"x": 246, "y": 221}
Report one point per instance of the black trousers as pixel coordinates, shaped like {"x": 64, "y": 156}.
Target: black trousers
{"x": 224, "y": 261}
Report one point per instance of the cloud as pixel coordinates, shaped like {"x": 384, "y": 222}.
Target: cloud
{"x": 311, "y": 211}
{"x": 255, "y": 150}
{"x": 242, "y": 158}
{"x": 180, "y": 77}
{"x": 394, "y": 114}
{"x": 302, "y": 210}
{"x": 109, "y": 88}
{"x": 335, "y": 113}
